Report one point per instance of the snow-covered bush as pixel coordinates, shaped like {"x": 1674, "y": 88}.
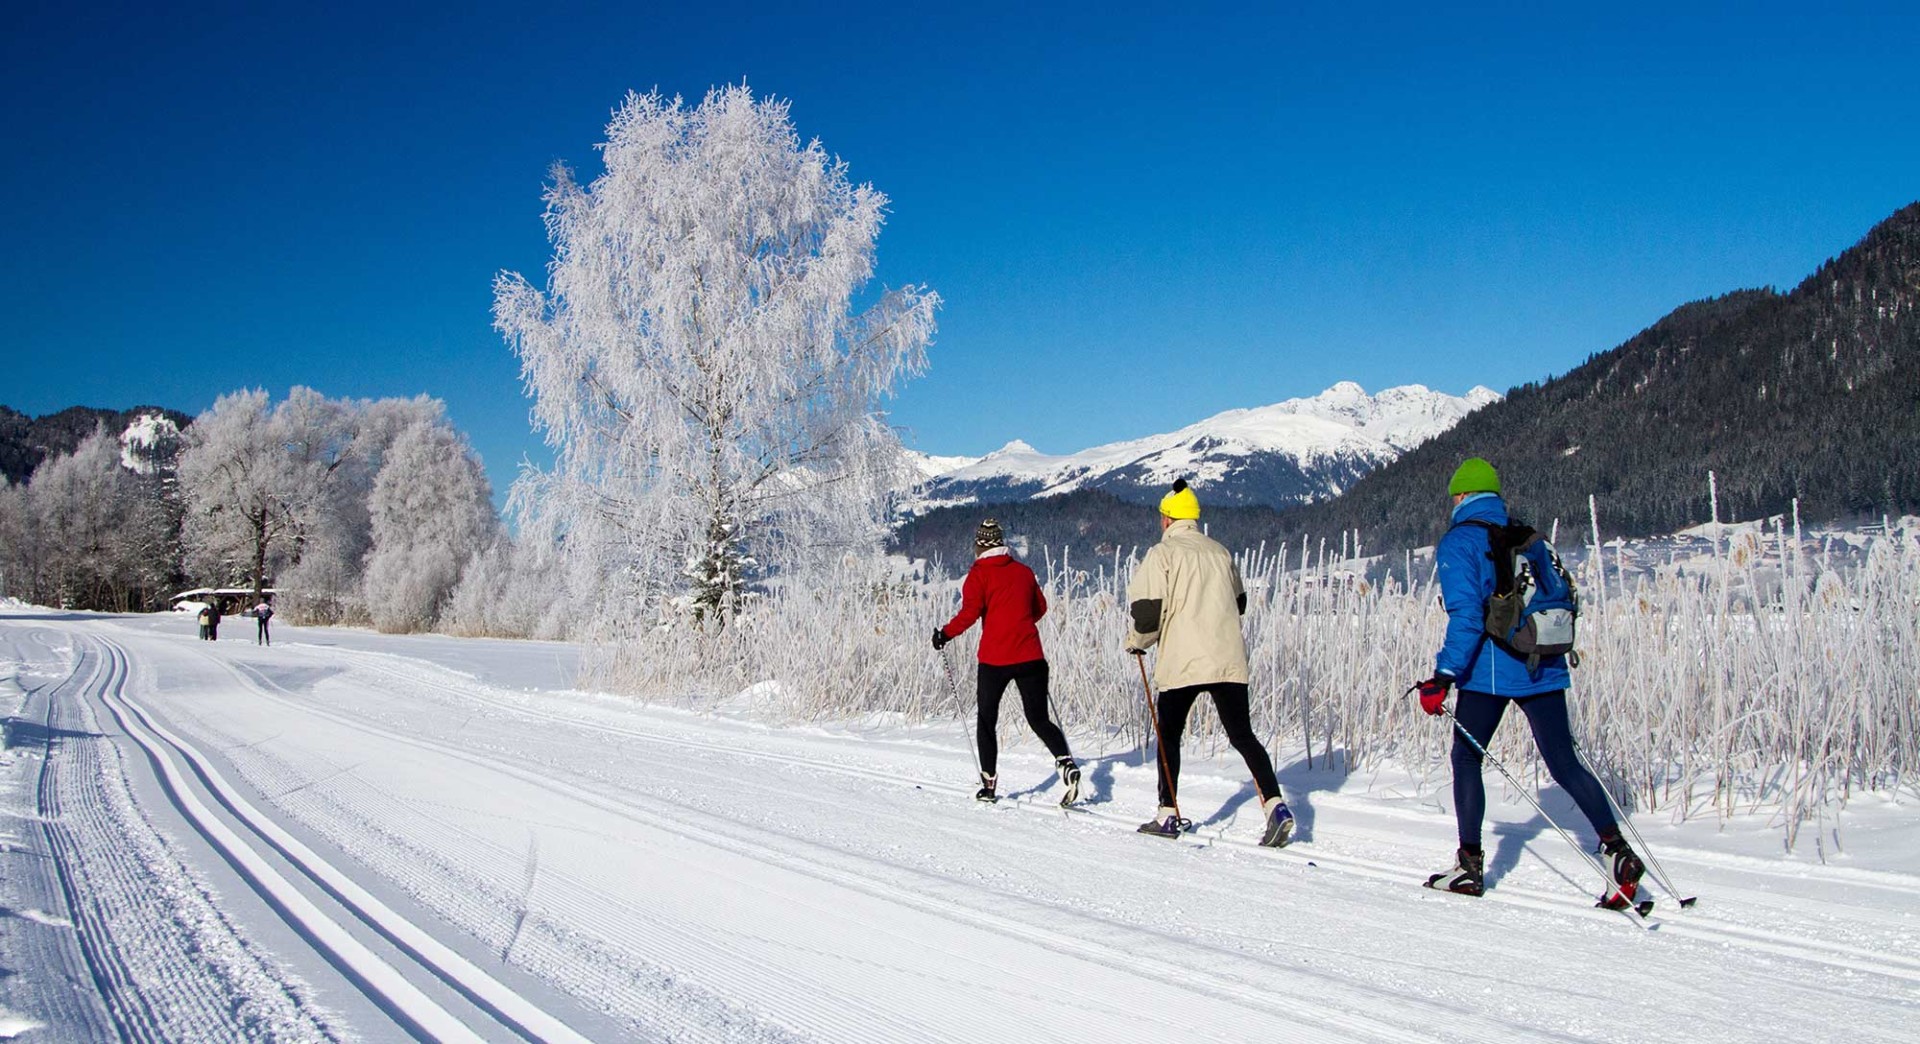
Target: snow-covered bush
{"x": 509, "y": 590}
{"x": 1687, "y": 699}
{"x": 697, "y": 364}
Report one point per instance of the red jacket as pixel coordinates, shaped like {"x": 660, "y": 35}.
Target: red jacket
{"x": 1004, "y": 595}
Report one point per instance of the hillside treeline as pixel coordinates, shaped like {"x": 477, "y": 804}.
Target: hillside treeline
{"x": 1811, "y": 395}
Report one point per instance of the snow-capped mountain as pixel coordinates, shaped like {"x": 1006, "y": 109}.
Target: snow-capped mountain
{"x": 1288, "y": 453}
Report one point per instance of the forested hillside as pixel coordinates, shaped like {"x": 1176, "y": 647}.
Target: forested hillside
{"x": 27, "y": 441}
{"x": 1813, "y": 394}
{"x": 1093, "y": 523}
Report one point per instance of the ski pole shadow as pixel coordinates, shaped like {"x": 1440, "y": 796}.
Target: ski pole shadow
{"x": 1513, "y": 838}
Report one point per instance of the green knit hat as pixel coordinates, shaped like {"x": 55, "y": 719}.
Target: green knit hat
{"x": 1474, "y": 476}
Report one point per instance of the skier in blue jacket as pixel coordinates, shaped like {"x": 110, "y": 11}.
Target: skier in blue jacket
{"x": 1489, "y": 678}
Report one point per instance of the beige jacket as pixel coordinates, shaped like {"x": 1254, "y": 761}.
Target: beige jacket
{"x": 1187, "y": 597}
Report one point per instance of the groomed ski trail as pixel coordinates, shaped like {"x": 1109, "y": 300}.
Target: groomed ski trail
{"x": 1571, "y": 879}
{"x": 702, "y": 878}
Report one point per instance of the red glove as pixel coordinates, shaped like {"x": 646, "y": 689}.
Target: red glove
{"x": 1433, "y": 693}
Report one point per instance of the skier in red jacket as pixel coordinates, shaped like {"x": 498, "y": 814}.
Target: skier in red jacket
{"x": 1002, "y": 593}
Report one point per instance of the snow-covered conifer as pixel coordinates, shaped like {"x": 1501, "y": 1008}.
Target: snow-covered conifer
{"x": 697, "y": 361}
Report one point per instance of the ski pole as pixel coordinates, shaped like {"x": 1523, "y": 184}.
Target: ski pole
{"x": 1159, "y": 746}
{"x": 953, "y": 686}
{"x": 1640, "y": 843}
{"x": 1613, "y": 887}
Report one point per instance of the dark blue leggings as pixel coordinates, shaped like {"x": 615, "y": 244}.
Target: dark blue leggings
{"x": 1480, "y": 714}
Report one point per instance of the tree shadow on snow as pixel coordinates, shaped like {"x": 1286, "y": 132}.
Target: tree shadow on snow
{"x": 20, "y": 732}
{"x": 57, "y": 616}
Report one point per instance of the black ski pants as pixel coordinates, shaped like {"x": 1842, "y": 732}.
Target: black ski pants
{"x": 1231, "y": 703}
{"x": 261, "y": 636}
{"x": 1480, "y": 714}
{"x": 1031, "y": 678}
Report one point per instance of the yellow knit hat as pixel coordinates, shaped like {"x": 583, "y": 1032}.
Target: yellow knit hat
{"x": 1181, "y": 503}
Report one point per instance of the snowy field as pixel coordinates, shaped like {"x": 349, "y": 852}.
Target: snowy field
{"x": 356, "y": 837}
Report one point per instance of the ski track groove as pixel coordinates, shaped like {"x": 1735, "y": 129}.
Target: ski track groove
{"x": 498, "y": 1001}
{"x": 149, "y": 964}
{"x": 1837, "y": 954}
{"x": 72, "y": 1011}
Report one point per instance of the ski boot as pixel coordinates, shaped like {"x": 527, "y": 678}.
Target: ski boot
{"x": 1069, "y": 775}
{"x": 1166, "y": 823}
{"x": 1279, "y": 829}
{"x": 1626, "y": 870}
{"x": 986, "y": 791}
{"x": 1468, "y": 876}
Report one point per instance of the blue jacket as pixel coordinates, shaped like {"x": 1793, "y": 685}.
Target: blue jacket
{"x": 1466, "y": 582}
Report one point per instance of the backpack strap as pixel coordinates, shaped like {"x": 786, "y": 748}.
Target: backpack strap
{"x": 1502, "y": 563}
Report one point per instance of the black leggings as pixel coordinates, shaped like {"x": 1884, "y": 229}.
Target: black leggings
{"x": 1230, "y": 702}
{"x": 1031, "y": 677}
{"x": 1480, "y": 713}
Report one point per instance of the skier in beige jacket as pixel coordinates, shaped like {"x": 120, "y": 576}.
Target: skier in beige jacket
{"x": 1186, "y": 597}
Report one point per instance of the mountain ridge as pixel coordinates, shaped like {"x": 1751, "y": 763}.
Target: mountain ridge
{"x": 1287, "y": 452}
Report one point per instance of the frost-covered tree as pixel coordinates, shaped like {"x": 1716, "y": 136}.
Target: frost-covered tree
{"x": 244, "y": 496}
{"x": 282, "y": 495}
{"x": 21, "y": 559}
{"x": 345, "y": 442}
{"x": 697, "y": 359}
{"x": 431, "y": 512}
{"x": 104, "y": 539}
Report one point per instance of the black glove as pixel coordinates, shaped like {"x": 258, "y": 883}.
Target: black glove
{"x": 940, "y": 639}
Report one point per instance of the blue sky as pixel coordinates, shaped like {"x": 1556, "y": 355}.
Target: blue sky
{"x": 1138, "y": 216}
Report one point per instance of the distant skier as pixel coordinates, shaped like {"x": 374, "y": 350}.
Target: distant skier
{"x": 1186, "y": 596}
{"x": 1489, "y": 678}
{"x": 261, "y": 614}
{"x": 1003, "y": 595}
{"x": 213, "y": 621}
{"x": 205, "y": 619}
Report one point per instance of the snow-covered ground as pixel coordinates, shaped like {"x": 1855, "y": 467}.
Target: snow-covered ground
{"x": 352, "y": 836}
